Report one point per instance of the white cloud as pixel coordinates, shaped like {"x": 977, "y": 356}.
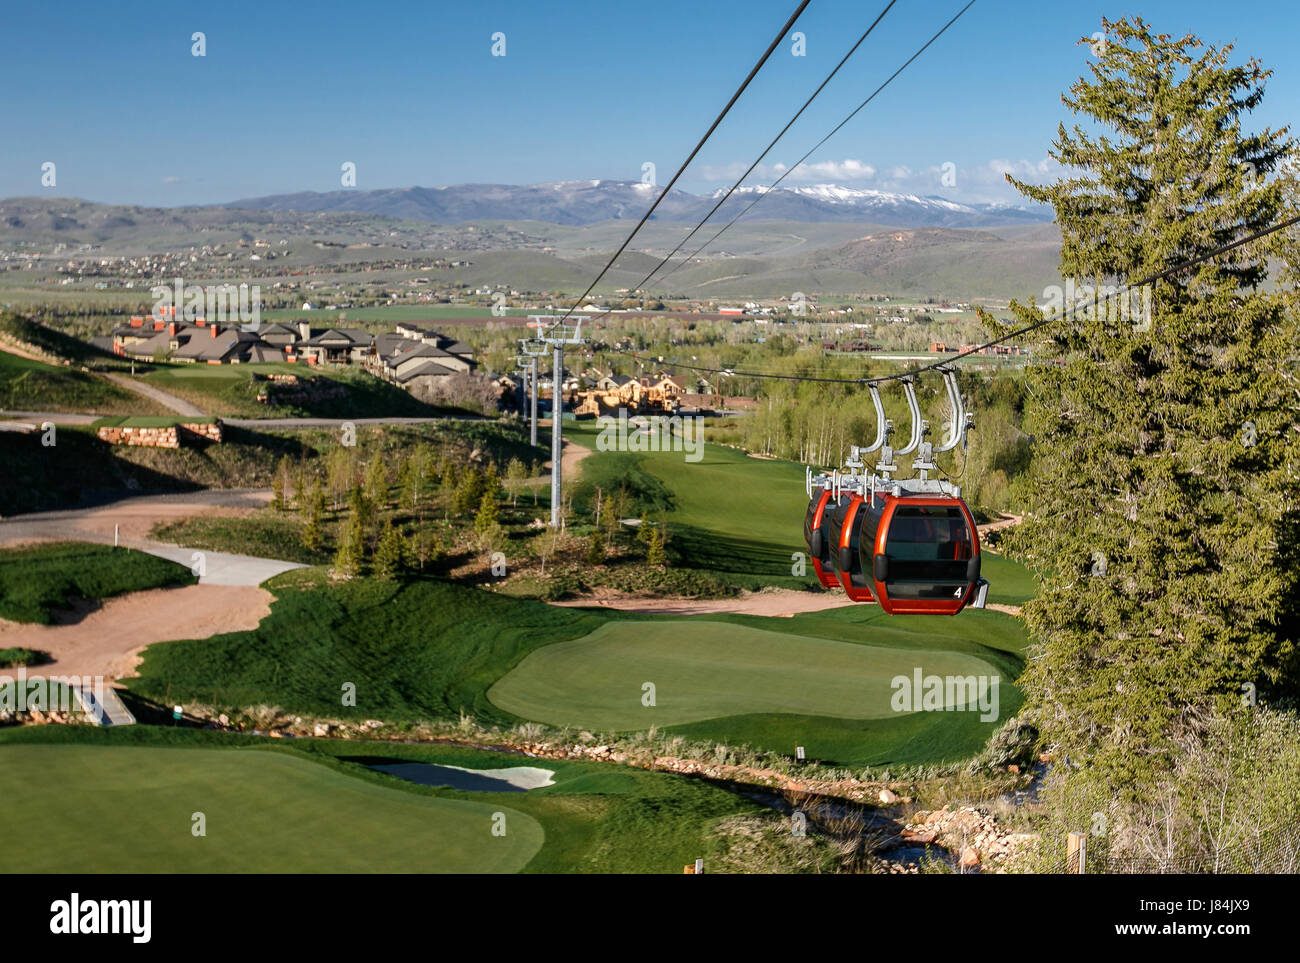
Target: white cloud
{"x": 818, "y": 172}
{"x": 838, "y": 171}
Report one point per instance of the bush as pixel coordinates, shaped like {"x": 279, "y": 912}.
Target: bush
{"x": 13, "y": 658}
{"x": 34, "y": 581}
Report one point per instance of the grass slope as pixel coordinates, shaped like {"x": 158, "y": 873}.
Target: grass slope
{"x": 264, "y": 811}
{"x": 419, "y": 650}
{"x": 595, "y": 819}
{"x": 429, "y": 649}
{"x": 702, "y": 669}
{"x": 27, "y": 385}
{"x": 80, "y": 464}
{"x": 38, "y": 579}
{"x": 738, "y": 517}
{"x": 229, "y": 391}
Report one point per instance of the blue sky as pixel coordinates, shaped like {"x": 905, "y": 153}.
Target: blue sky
{"x": 411, "y": 93}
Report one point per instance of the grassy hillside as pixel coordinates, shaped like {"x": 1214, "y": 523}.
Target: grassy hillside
{"x": 35, "y": 580}
{"x": 428, "y": 650}
{"x": 81, "y": 465}
{"x": 27, "y": 385}
{"x": 231, "y": 391}
{"x": 264, "y": 811}
{"x": 734, "y": 516}
{"x": 706, "y": 669}
{"x": 315, "y": 806}
{"x": 36, "y": 338}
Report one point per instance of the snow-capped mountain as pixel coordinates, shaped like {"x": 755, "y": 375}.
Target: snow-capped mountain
{"x": 589, "y": 201}
{"x": 837, "y": 202}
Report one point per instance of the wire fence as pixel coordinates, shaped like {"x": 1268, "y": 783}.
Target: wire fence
{"x": 1270, "y": 852}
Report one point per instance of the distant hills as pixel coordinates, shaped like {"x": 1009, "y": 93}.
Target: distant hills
{"x": 860, "y": 244}
{"x": 592, "y": 201}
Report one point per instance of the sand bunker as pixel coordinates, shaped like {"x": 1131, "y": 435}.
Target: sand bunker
{"x": 514, "y": 779}
{"x": 107, "y": 640}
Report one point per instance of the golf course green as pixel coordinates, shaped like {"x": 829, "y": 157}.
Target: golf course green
{"x": 123, "y": 800}
{"x": 130, "y": 809}
{"x": 703, "y": 669}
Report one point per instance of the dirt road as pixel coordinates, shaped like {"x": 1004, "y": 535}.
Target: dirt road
{"x": 166, "y": 399}
{"x": 135, "y": 517}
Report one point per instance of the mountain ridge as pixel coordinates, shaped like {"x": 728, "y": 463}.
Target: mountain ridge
{"x": 594, "y": 200}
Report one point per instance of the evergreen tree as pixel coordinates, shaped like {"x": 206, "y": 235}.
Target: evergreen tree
{"x": 350, "y": 558}
{"x": 469, "y": 491}
{"x": 655, "y": 554}
{"x": 277, "y": 492}
{"x": 1158, "y": 482}
{"x": 390, "y": 553}
{"x": 487, "y": 523}
{"x": 596, "y": 549}
{"x": 448, "y": 483}
{"x": 313, "y": 508}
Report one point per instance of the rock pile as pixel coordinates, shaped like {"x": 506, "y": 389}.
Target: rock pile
{"x": 978, "y": 842}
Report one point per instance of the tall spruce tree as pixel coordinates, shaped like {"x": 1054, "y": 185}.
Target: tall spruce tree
{"x": 1158, "y": 487}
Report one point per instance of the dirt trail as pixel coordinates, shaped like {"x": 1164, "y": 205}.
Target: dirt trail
{"x": 571, "y": 457}
{"x": 775, "y": 603}
{"x": 135, "y": 517}
{"x": 106, "y": 640}
{"x": 1006, "y": 521}
{"x": 10, "y": 348}
{"x": 178, "y": 405}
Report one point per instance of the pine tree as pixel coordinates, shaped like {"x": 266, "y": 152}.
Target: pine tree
{"x": 313, "y": 509}
{"x": 596, "y": 549}
{"x": 448, "y": 482}
{"x": 655, "y": 555}
{"x": 469, "y": 491}
{"x": 487, "y": 523}
{"x": 1158, "y": 482}
{"x": 350, "y": 559}
{"x": 390, "y": 553}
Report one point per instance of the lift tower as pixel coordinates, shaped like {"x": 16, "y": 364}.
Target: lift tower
{"x": 553, "y": 333}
